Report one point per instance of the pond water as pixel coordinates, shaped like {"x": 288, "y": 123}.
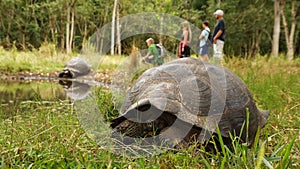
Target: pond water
{"x": 15, "y": 93}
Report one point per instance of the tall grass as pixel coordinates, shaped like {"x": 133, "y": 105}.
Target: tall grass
{"x": 46, "y": 61}
{"x": 36, "y": 61}
{"x": 275, "y": 84}
{"x": 49, "y": 135}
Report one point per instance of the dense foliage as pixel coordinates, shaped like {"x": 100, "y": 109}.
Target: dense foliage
{"x": 29, "y": 24}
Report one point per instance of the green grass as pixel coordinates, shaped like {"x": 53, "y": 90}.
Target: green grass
{"x": 35, "y": 61}
{"x": 48, "y": 134}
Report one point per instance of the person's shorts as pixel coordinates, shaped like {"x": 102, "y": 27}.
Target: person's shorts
{"x": 148, "y": 60}
{"x": 204, "y": 50}
{"x": 186, "y": 53}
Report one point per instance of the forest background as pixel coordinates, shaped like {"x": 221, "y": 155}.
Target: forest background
{"x": 41, "y": 35}
{"x": 254, "y": 27}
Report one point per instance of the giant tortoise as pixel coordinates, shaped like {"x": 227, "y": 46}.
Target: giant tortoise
{"x": 74, "y": 68}
{"x": 187, "y": 100}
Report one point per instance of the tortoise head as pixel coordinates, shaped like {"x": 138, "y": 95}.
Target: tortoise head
{"x": 264, "y": 114}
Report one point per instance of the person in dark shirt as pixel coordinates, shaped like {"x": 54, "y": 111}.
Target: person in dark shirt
{"x": 219, "y": 36}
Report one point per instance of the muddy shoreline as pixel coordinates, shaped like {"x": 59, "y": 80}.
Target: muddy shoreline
{"x": 100, "y": 76}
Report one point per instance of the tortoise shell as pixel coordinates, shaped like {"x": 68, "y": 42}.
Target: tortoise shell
{"x": 200, "y": 94}
{"x": 75, "y": 67}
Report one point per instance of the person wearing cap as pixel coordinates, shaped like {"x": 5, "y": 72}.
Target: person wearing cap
{"x": 152, "y": 54}
{"x": 219, "y": 35}
{"x": 203, "y": 41}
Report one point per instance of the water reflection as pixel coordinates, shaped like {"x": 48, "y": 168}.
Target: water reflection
{"x": 16, "y": 96}
{"x": 14, "y": 93}
{"x": 75, "y": 90}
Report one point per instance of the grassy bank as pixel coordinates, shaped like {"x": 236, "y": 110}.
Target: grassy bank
{"x": 48, "y": 134}
{"x": 47, "y": 61}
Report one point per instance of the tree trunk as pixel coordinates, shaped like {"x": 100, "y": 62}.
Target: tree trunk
{"x": 62, "y": 34}
{"x": 297, "y": 52}
{"x": 289, "y": 34}
{"x": 24, "y": 39}
{"x": 70, "y": 23}
{"x": 119, "y": 33}
{"x": 276, "y": 30}
{"x": 254, "y": 49}
{"x": 68, "y": 6}
{"x": 6, "y": 27}
{"x": 101, "y": 36}
{"x": 219, "y": 3}
{"x": 161, "y": 29}
{"x": 72, "y": 28}
{"x": 112, "y": 51}
{"x": 85, "y": 33}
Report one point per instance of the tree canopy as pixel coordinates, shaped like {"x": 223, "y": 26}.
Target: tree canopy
{"x": 28, "y": 24}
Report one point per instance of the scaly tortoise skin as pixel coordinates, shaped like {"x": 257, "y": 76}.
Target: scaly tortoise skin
{"x": 182, "y": 89}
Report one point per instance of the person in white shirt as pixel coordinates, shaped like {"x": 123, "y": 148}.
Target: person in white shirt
{"x": 203, "y": 41}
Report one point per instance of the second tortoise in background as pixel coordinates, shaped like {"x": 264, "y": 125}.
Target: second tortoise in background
{"x": 74, "y": 68}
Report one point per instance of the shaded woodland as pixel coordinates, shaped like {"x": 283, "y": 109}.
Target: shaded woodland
{"x": 254, "y": 28}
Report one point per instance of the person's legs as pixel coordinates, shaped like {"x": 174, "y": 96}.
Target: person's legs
{"x": 218, "y": 50}
{"x": 205, "y": 58}
{"x": 204, "y": 53}
{"x": 186, "y": 52}
{"x": 149, "y": 59}
{"x": 159, "y": 61}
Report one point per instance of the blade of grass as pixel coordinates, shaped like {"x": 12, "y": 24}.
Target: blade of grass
{"x": 256, "y": 139}
{"x": 205, "y": 162}
{"x": 287, "y": 153}
{"x": 247, "y": 125}
{"x": 260, "y": 156}
{"x": 222, "y": 147}
{"x": 267, "y": 163}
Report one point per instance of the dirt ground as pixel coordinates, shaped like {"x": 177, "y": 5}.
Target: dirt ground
{"x": 102, "y": 76}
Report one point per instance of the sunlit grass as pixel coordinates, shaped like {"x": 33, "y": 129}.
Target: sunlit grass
{"x": 48, "y": 134}
{"x": 49, "y": 61}
{"x": 20, "y": 61}
{"x": 110, "y": 62}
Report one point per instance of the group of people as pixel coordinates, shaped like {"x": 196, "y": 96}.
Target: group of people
{"x": 217, "y": 40}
